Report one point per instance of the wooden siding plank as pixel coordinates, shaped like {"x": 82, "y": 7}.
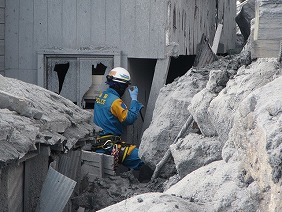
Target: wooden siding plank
{"x": 173, "y": 22}
{"x": 113, "y": 32}
{"x": 83, "y": 23}
{"x": 92, "y": 177}
{"x": 54, "y": 23}
{"x": 265, "y": 48}
{"x": 2, "y": 63}
{"x": 2, "y": 15}
{"x": 230, "y": 38}
{"x": 191, "y": 27}
{"x": 69, "y": 26}
{"x": 108, "y": 163}
{"x": 181, "y": 35}
{"x": 12, "y": 35}
{"x": 128, "y": 26}
{"x": 26, "y": 54}
{"x": 86, "y": 168}
{"x": 270, "y": 22}
{"x": 2, "y": 31}
{"x": 2, "y": 47}
{"x": 194, "y": 21}
{"x": 210, "y": 24}
{"x": 94, "y": 158}
{"x": 98, "y": 24}
{"x": 197, "y": 27}
{"x": 227, "y": 10}
{"x": 15, "y": 187}
{"x": 31, "y": 189}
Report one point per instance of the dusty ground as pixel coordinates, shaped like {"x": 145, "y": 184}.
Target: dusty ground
{"x": 110, "y": 190}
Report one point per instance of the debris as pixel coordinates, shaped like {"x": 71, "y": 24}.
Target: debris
{"x": 55, "y": 192}
{"x": 168, "y": 152}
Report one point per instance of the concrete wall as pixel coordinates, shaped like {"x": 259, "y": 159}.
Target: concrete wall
{"x": 139, "y": 29}
{"x": 135, "y": 27}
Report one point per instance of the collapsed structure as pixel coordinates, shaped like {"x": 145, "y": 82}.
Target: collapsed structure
{"x": 67, "y": 47}
{"x": 38, "y": 127}
{"x": 230, "y": 104}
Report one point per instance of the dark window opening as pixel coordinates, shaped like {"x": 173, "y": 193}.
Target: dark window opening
{"x": 89, "y": 104}
{"x": 62, "y": 70}
{"x": 142, "y": 74}
{"x": 99, "y": 70}
{"x": 179, "y": 66}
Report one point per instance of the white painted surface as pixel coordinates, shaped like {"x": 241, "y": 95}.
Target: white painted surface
{"x": 26, "y": 53}
{"x": 217, "y": 38}
{"x": 2, "y": 3}
{"x": 136, "y": 28}
{"x": 268, "y": 29}
{"x": 12, "y": 35}
{"x": 2, "y": 37}
{"x": 15, "y": 187}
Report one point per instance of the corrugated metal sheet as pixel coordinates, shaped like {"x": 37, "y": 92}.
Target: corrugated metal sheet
{"x": 55, "y": 192}
{"x": 69, "y": 164}
{"x": 205, "y": 54}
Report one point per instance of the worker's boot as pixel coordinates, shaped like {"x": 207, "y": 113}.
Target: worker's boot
{"x": 145, "y": 174}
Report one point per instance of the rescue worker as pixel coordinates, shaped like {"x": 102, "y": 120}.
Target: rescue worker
{"x": 111, "y": 114}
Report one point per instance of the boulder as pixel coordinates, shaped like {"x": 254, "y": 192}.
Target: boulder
{"x": 201, "y": 101}
{"x": 219, "y": 186}
{"x": 223, "y": 107}
{"x": 194, "y": 152}
{"x": 255, "y": 139}
{"x": 169, "y": 116}
{"x": 155, "y": 202}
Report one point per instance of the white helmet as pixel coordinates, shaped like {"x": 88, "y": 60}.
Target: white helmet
{"x": 119, "y": 74}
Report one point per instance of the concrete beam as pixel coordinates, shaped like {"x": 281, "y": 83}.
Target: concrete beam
{"x": 159, "y": 81}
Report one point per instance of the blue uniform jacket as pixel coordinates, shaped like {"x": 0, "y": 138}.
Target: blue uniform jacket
{"x": 111, "y": 114}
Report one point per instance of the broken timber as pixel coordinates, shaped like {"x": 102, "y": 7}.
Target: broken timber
{"x": 217, "y": 38}
{"x": 96, "y": 165}
{"x": 168, "y": 152}
{"x": 205, "y": 54}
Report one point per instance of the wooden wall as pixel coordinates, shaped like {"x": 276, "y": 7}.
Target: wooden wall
{"x": 2, "y": 36}
{"x": 268, "y": 29}
{"x": 227, "y": 13}
{"x": 189, "y": 19}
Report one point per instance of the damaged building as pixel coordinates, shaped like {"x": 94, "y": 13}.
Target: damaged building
{"x": 68, "y": 47}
